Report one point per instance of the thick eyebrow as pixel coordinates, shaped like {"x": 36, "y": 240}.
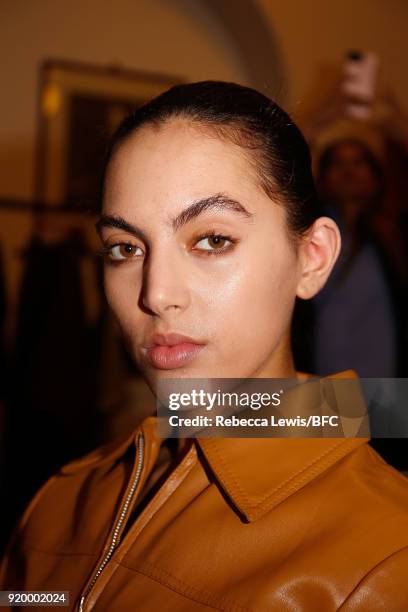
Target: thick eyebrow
{"x": 218, "y": 201}
{"x": 118, "y": 222}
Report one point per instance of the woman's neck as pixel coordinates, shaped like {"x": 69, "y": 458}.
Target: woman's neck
{"x": 281, "y": 363}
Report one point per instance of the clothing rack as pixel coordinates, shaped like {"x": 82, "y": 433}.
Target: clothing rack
{"x": 35, "y": 206}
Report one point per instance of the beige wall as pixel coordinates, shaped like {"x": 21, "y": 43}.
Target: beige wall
{"x": 314, "y": 33}
{"x": 177, "y": 37}
{"x": 313, "y": 37}
{"x": 181, "y": 37}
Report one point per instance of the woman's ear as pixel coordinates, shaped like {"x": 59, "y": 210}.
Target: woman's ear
{"x": 318, "y": 252}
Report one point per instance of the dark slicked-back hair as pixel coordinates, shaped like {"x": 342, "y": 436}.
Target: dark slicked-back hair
{"x": 273, "y": 143}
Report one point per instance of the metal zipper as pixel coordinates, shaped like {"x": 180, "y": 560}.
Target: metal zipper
{"x": 119, "y": 523}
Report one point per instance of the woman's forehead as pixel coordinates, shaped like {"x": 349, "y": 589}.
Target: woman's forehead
{"x": 178, "y": 157}
{"x": 179, "y": 154}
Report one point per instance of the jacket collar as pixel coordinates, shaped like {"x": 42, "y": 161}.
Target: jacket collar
{"x": 259, "y": 473}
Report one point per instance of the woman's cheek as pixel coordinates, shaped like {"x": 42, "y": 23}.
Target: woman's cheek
{"x": 115, "y": 297}
{"x": 231, "y": 307}
{"x": 262, "y": 306}
{"x": 122, "y": 302}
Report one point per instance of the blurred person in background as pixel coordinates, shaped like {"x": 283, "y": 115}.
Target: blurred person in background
{"x": 359, "y": 317}
{"x": 357, "y": 313}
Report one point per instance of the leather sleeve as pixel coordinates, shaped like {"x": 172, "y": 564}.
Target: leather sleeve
{"x": 12, "y": 565}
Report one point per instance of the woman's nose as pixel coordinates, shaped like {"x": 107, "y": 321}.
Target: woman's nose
{"x": 165, "y": 284}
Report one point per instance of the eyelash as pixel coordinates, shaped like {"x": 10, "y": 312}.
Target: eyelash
{"x": 107, "y": 249}
{"x": 214, "y": 234}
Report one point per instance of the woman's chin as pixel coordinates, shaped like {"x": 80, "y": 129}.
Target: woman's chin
{"x": 156, "y": 374}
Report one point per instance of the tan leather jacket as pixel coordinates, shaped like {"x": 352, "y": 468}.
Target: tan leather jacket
{"x": 299, "y": 525}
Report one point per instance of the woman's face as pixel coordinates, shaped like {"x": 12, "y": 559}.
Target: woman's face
{"x": 208, "y": 257}
{"x": 350, "y": 176}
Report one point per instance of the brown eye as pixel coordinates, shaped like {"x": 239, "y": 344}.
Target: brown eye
{"x": 124, "y": 250}
{"x": 214, "y": 242}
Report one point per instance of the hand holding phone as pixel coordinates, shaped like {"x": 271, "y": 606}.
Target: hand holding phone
{"x": 359, "y": 83}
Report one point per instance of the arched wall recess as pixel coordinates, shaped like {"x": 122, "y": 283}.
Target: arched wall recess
{"x": 240, "y": 28}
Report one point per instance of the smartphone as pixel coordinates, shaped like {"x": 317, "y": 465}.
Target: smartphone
{"x": 359, "y": 83}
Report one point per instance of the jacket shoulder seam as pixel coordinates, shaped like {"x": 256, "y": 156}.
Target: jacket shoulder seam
{"x": 34, "y": 501}
{"x": 371, "y": 572}
{"x": 14, "y": 538}
{"x": 188, "y": 591}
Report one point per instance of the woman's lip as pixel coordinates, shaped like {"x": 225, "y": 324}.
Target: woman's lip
{"x": 169, "y": 357}
{"x": 169, "y": 339}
